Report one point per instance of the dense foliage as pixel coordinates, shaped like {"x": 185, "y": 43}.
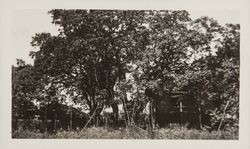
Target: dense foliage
{"x": 105, "y": 58}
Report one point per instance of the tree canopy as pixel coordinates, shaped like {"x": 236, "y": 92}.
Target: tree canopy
{"x": 101, "y": 56}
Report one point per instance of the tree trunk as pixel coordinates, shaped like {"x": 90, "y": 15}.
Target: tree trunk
{"x": 115, "y": 113}
{"x": 127, "y": 116}
{"x": 97, "y": 117}
{"x": 223, "y": 118}
{"x": 45, "y": 117}
{"x": 133, "y": 112}
{"x": 91, "y": 118}
{"x": 125, "y": 112}
{"x": 70, "y": 118}
{"x": 151, "y": 114}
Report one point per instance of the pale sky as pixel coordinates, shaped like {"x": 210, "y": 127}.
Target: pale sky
{"x": 25, "y": 23}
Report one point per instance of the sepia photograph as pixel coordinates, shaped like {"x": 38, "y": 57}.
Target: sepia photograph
{"x": 125, "y": 74}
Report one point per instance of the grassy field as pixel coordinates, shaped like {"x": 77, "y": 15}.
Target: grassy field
{"x": 131, "y": 133}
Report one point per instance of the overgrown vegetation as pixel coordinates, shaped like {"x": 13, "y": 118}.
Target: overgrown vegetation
{"x": 131, "y": 133}
{"x": 106, "y": 59}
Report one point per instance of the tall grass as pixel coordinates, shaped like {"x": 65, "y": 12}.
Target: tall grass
{"x": 131, "y": 133}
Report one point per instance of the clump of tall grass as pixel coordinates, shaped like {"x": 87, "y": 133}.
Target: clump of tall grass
{"x": 177, "y": 132}
{"x": 184, "y": 133}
